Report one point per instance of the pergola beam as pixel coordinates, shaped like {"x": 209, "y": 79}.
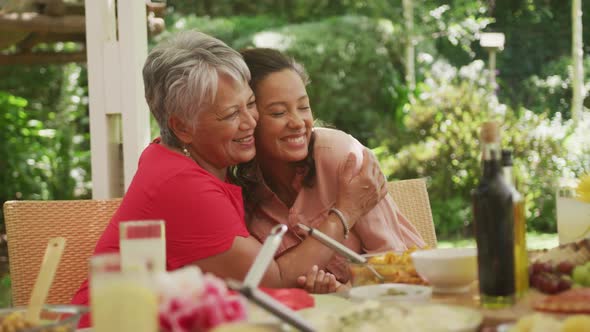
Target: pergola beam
{"x": 38, "y": 38}
{"x": 35, "y": 22}
{"x": 42, "y": 58}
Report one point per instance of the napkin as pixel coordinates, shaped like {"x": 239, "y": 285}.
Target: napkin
{"x": 294, "y": 298}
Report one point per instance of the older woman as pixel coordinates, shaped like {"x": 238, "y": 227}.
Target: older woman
{"x": 197, "y": 89}
{"x": 292, "y": 181}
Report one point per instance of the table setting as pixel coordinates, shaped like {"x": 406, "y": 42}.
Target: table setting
{"x": 414, "y": 284}
{"x": 419, "y": 289}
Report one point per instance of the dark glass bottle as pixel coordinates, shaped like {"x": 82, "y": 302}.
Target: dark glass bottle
{"x": 521, "y": 258}
{"x": 493, "y": 212}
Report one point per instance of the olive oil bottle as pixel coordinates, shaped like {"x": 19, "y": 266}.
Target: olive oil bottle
{"x": 521, "y": 258}
{"x": 493, "y": 213}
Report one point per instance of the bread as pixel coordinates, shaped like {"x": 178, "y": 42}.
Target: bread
{"x": 576, "y": 253}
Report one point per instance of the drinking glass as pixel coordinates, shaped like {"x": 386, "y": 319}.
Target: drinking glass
{"x": 121, "y": 301}
{"x": 141, "y": 242}
{"x": 573, "y": 216}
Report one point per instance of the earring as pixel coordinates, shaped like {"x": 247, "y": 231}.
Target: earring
{"x": 185, "y": 151}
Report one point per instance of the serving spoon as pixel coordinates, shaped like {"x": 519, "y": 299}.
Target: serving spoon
{"x": 340, "y": 248}
{"x": 53, "y": 253}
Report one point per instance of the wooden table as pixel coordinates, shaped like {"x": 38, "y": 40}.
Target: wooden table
{"x": 492, "y": 317}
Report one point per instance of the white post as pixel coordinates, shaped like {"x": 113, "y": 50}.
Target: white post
{"x": 119, "y": 123}
{"x": 577, "y": 61}
{"x": 101, "y": 32}
{"x": 133, "y": 52}
{"x": 409, "y": 51}
{"x": 492, "y": 65}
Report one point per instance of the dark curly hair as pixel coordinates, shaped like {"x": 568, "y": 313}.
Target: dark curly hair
{"x": 263, "y": 62}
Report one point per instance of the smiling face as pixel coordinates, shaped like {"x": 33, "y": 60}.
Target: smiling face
{"x": 224, "y": 131}
{"x": 286, "y": 121}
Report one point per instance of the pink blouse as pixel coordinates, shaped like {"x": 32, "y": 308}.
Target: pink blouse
{"x": 383, "y": 228}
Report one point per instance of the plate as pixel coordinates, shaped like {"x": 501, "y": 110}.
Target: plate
{"x": 326, "y": 305}
{"x": 448, "y": 318}
{"x": 337, "y": 314}
{"x": 391, "y": 292}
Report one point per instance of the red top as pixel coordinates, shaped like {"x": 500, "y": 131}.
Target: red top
{"x": 203, "y": 214}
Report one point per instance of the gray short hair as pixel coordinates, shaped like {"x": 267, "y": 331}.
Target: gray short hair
{"x": 181, "y": 76}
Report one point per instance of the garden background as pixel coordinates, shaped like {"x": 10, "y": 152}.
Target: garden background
{"x": 354, "y": 53}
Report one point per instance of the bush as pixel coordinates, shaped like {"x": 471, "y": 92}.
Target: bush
{"x": 45, "y": 151}
{"x": 353, "y": 62}
{"x": 441, "y": 143}
{"x": 228, "y": 29}
{"x": 550, "y": 91}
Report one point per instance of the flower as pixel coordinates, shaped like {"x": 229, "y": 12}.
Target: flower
{"x": 191, "y": 301}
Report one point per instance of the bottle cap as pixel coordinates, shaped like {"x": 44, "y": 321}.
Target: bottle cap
{"x": 490, "y": 132}
{"x": 507, "y": 158}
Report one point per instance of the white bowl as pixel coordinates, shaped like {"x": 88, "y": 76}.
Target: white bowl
{"x": 448, "y": 270}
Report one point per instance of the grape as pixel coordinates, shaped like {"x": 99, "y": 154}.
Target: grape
{"x": 564, "y": 284}
{"x": 565, "y": 267}
{"x": 548, "y": 267}
{"x": 551, "y": 284}
{"x": 554, "y": 279}
{"x": 536, "y": 280}
{"x": 539, "y": 267}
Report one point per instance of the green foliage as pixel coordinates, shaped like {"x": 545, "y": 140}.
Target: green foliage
{"x": 228, "y": 29}
{"x": 537, "y": 32}
{"x": 353, "y": 50}
{"x": 21, "y": 147}
{"x": 45, "y": 141}
{"x": 355, "y": 62}
{"x": 441, "y": 143}
{"x": 287, "y": 10}
{"x": 450, "y": 216}
{"x": 550, "y": 91}
{"x": 351, "y": 63}
{"x": 40, "y": 85}
{"x": 5, "y": 293}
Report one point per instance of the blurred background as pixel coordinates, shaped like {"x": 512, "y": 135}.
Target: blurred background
{"x": 421, "y": 117}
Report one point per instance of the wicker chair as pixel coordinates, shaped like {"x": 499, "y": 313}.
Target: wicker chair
{"x": 30, "y": 224}
{"x": 411, "y": 197}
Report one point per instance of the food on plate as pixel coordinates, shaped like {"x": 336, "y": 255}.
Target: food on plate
{"x": 391, "y": 292}
{"x": 576, "y": 323}
{"x": 394, "y": 267}
{"x": 556, "y": 270}
{"x": 540, "y": 323}
{"x": 15, "y": 322}
{"x": 551, "y": 279}
{"x": 373, "y": 316}
{"x": 395, "y": 292}
{"x": 575, "y": 300}
{"x": 581, "y": 275}
{"x": 576, "y": 253}
{"x": 391, "y": 257}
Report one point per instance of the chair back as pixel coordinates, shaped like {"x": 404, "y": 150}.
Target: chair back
{"x": 411, "y": 197}
{"x": 30, "y": 225}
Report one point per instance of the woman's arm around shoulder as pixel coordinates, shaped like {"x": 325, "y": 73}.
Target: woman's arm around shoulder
{"x": 331, "y": 150}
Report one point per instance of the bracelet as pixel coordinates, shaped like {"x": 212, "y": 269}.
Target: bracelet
{"x": 342, "y": 220}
